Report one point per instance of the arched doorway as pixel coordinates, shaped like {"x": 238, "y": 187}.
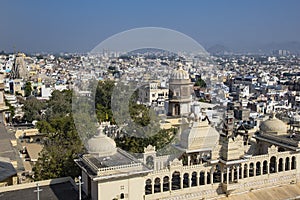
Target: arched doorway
{"x": 148, "y": 187}
{"x": 157, "y": 185}
{"x": 273, "y": 164}
{"x": 258, "y": 172}
{"x": 245, "y": 170}
{"x": 166, "y": 183}
{"x": 176, "y": 181}
{"x": 287, "y": 163}
{"x": 201, "y": 178}
{"x": 293, "y": 163}
{"x": 194, "y": 179}
{"x": 251, "y": 170}
{"x": 186, "y": 181}
{"x": 280, "y": 165}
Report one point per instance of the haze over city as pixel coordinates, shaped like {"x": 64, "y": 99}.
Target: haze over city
{"x": 63, "y": 26}
{"x": 152, "y": 100}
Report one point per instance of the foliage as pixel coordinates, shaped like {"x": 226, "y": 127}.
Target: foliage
{"x": 61, "y": 148}
{"x": 59, "y": 104}
{"x": 27, "y": 89}
{"x": 201, "y": 83}
{"x": 103, "y": 100}
{"x": 137, "y": 144}
{"x": 32, "y": 108}
{"x": 63, "y": 143}
{"x": 11, "y": 108}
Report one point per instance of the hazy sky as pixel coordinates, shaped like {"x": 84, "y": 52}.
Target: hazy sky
{"x": 78, "y": 26}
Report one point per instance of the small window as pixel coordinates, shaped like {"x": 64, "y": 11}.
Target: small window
{"x": 122, "y": 196}
{"x": 122, "y": 187}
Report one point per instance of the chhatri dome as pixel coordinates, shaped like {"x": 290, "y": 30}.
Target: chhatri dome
{"x": 180, "y": 74}
{"x": 273, "y": 125}
{"x": 101, "y": 144}
{"x": 199, "y": 136}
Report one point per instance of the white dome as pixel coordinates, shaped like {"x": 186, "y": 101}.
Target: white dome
{"x": 101, "y": 144}
{"x": 180, "y": 74}
{"x": 273, "y": 125}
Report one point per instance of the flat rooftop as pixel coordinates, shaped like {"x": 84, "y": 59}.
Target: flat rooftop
{"x": 57, "y": 191}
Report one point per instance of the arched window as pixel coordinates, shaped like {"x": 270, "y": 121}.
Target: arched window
{"x": 150, "y": 162}
{"x": 194, "y": 179}
{"x": 157, "y": 185}
{"x": 176, "y": 180}
{"x": 251, "y": 170}
{"x": 273, "y": 164}
{"x": 258, "y": 172}
{"x": 208, "y": 178}
{"x": 201, "y": 178}
{"x": 280, "y": 166}
{"x": 166, "y": 183}
{"x": 245, "y": 170}
{"x": 287, "y": 163}
{"x": 293, "y": 163}
{"x": 186, "y": 180}
{"x": 240, "y": 172}
{"x": 265, "y": 167}
{"x": 148, "y": 187}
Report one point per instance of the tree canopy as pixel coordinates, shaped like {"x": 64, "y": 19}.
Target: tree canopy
{"x": 63, "y": 144}
{"x": 201, "y": 83}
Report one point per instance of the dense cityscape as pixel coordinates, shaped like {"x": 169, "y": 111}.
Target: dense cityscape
{"x": 120, "y": 100}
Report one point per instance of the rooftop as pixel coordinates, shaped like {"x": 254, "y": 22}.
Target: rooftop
{"x": 55, "y": 189}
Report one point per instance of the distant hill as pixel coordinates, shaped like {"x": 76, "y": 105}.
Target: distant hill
{"x": 292, "y": 46}
{"x": 219, "y": 49}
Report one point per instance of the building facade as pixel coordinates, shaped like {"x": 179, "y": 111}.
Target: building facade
{"x": 207, "y": 162}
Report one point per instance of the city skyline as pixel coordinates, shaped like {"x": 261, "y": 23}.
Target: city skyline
{"x": 78, "y": 27}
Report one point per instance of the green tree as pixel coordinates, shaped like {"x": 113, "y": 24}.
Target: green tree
{"x": 63, "y": 143}
{"x": 32, "y": 108}
{"x": 137, "y": 144}
{"x": 59, "y": 104}
{"x": 201, "y": 83}
{"x": 61, "y": 148}
{"x": 28, "y": 89}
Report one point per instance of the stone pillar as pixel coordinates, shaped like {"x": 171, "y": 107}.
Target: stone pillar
{"x": 227, "y": 176}
{"x": 254, "y": 169}
{"x": 248, "y": 168}
{"x": 181, "y": 182}
{"x": 283, "y": 164}
{"x": 189, "y": 160}
{"x": 198, "y": 179}
{"x": 261, "y": 168}
{"x": 211, "y": 178}
{"x": 205, "y": 178}
{"x": 290, "y": 165}
{"x": 190, "y": 180}
{"x": 268, "y": 168}
{"x": 242, "y": 171}
{"x": 161, "y": 184}
{"x": 232, "y": 174}
{"x": 222, "y": 176}
{"x": 152, "y": 187}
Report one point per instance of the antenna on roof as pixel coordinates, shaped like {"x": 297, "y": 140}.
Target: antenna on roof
{"x": 38, "y": 190}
